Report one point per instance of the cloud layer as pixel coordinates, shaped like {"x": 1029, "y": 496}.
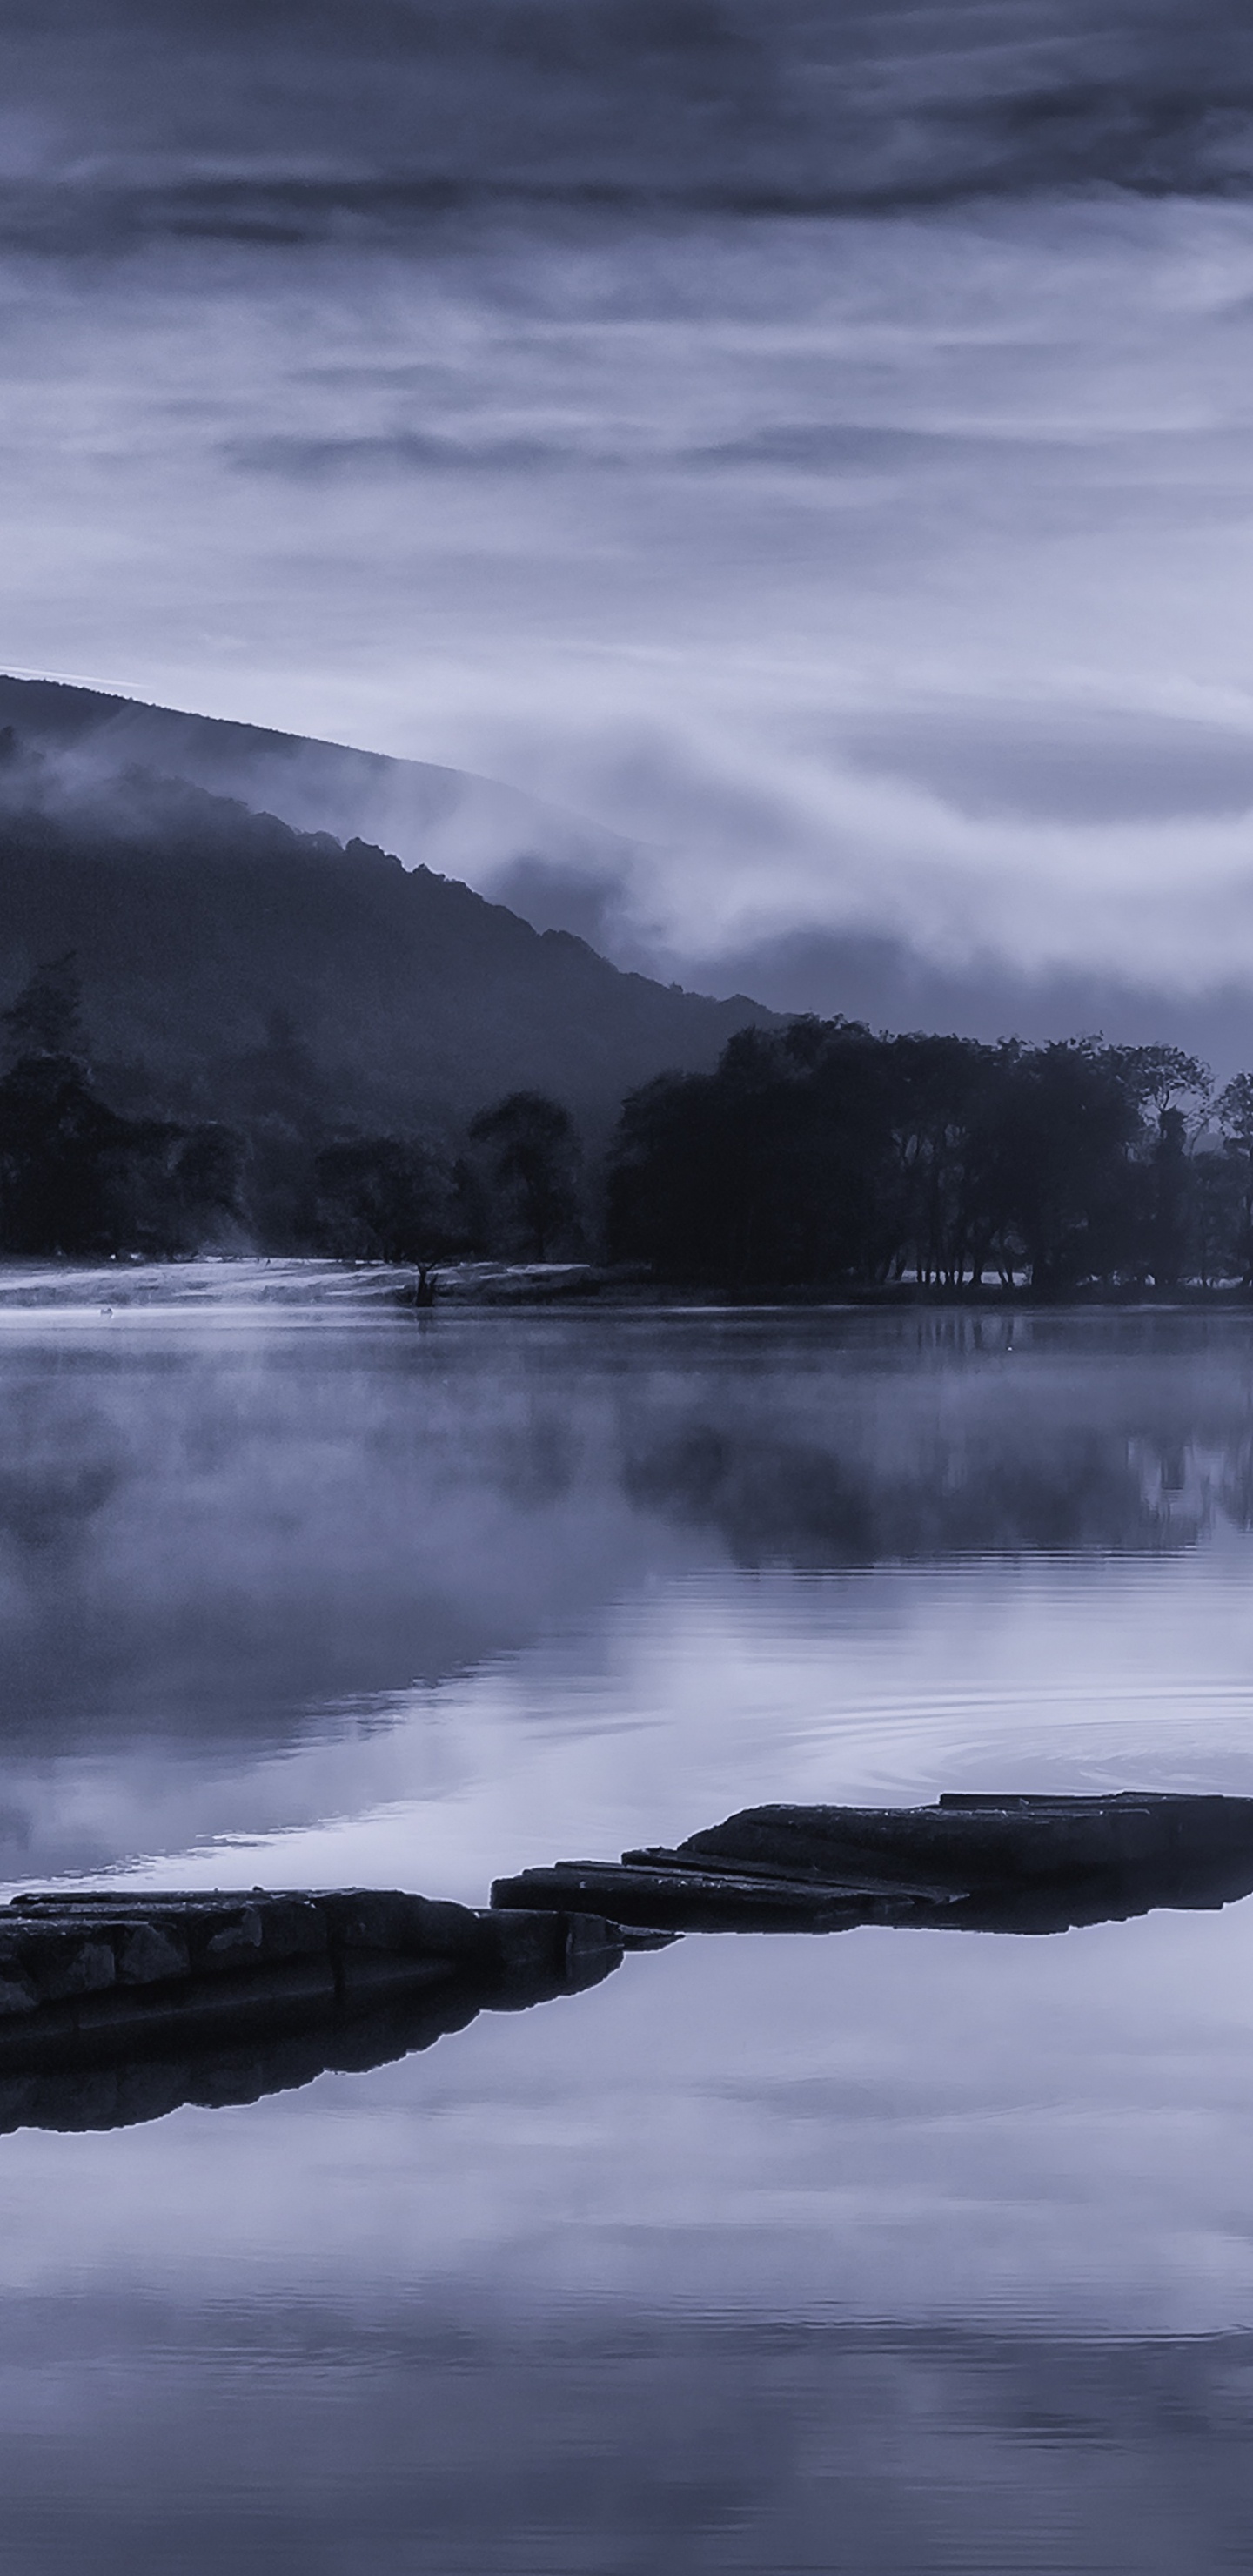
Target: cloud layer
{"x": 812, "y": 443}
{"x": 221, "y": 118}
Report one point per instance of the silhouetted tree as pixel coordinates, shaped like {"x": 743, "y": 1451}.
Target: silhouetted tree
{"x": 77, "y": 1179}
{"x": 822, "y": 1153}
{"x": 671, "y": 1180}
{"x": 941, "y": 1090}
{"x": 207, "y": 1169}
{"x": 1233, "y": 1112}
{"x": 775, "y": 1169}
{"x": 387, "y": 1198}
{"x": 56, "y": 1138}
{"x": 1171, "y": 1090}
{"x": 46, "y": 1018}
{"x": 1215, "y": 1216}
{"x": 529, "y": 1150}
{"x": 1163, "y": 1076}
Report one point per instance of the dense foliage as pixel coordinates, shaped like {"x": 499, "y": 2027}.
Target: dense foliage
{"x": 75, "y": 1176}
{"x": 816, "y": 1155}
{"x": 78, "y": 1178}
{"x": 824, "y": 1154}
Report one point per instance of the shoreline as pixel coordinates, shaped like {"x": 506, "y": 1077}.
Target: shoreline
{"x": 297, "y": 1283}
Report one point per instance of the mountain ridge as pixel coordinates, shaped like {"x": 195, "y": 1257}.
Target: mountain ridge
{"x": 233, "y": 964}
{"x": 427, "y": 812}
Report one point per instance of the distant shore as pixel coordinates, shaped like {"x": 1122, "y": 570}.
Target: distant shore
{"x": 248, "y": 1281}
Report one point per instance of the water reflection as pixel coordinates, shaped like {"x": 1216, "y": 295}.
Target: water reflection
{"x": 258, "y": 1577}
{"x": 446, "y": 2444}
{"x": 72, "y": 2082}
{"x": 889, "y": 2252}
{"x": 1039, "y": 1444}
{"x": 224, "y": 1529}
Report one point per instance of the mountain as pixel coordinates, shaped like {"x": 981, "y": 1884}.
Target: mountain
{"x": 562, "y": 872}
{"x": 445, "y": 819}
{"x": 233, "y": 966}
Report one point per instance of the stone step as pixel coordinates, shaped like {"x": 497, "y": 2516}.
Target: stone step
{"x": 688, "y": 1899}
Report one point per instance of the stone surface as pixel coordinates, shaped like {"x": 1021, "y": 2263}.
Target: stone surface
{"x": 91, "y": 1979}
{"x": 148, "y": 1953}
{"x": 713, "y": 1900}
{"x": 991, "y": 1864}
{"x": 969, "y": 1843}
{"x": 85, "y": 1974}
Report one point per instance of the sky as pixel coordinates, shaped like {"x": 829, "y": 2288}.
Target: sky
{"x": 810, "y": 440}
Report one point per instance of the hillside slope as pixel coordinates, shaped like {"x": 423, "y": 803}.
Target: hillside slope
{"x": 446, "y": 819}
{"x": 232, "y": 965}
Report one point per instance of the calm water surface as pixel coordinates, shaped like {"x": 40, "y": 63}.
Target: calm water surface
{"x": 894, "y": 2251}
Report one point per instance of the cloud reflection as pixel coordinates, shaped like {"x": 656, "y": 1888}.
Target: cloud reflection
{"x": 448, "y": 2443}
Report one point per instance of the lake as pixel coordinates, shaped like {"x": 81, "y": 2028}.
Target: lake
{"x": 885, "y": 2252}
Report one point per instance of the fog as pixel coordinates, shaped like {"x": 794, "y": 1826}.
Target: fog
{"x": 325, "y": 1600}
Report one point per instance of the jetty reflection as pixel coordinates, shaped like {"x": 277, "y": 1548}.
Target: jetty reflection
{"x": 80, "y": 2086}
{"x": 118, "y": 2008}
{"x": 76, "y": 2083}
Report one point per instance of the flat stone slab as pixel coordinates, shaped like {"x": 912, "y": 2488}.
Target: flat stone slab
{"x": 639, "y": 1891}
{"x": 1014, "y": 1863}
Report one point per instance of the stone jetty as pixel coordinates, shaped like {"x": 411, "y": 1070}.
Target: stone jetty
{"x": 968, "y": 1863}
{"x": 967, "y": 1841}
{"x": 118, "y": 2005}
{"x": 216, "y": 1999}
{"x": 84, "y": 1972}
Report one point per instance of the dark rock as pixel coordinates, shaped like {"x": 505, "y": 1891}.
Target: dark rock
{"x": 56, "y": 1960}
{"x": 407, "y": 1926}
{"x": 968, "y": 1843}
{"x": 89, "y": 1978}
{"x": 17, "y": 1994}
{"x": 148, "y": 1953}
{"x": 238, "y": 1943}
{"x": 544, "y": 1954}
{"x": 986, "y": 1864}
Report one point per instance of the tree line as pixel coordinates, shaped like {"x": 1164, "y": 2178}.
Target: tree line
{"x": 816, "y": 1155}
{"x": 79, "y": 1179}
{"x": 822, "y": 1153}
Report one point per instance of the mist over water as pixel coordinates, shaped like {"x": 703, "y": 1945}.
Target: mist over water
{"x": 892, "y": 2250}
{"x": 663, "y": 1560}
